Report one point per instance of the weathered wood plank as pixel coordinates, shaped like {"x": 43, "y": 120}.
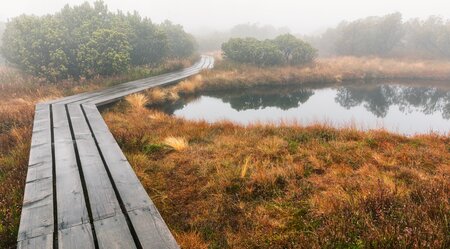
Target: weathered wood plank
{"x": 111, "y": 97}
{"x": 113, "y": 232}
{"x": 41, "y": 242}
{"x": 141, "y": 82}
{"x": 147, "y": 222}
{"x": 151, "y": 229}
{"x": 76, "y": 237}
{"x": 71, "y": 204}
{"x": 130, "y": 189}
{"x": 37, "y": 210}
{"x": 102, "y": 199}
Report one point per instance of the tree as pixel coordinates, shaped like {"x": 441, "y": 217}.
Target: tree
{"x": 2, "y": 29}
{"x": 86, "y": 40}
{"x": 369, "y": 36}
{"x": 35, "y": 44}
{"x": 149, "y": 43}
{"x": 295, "y": 51}
{"x": 428, "y": 38}
{"x": 106, "y": 53}
{"x": 181, "y": 44}
{"x": 283, "y": 50}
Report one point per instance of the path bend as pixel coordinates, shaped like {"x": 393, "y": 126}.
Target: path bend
{"x": 80, "y": 190}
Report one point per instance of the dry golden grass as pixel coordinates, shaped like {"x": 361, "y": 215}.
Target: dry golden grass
{"x": 287, "y": 186}
{"x": 189, "y": 85}
{"x": 177, "y": 143}
{"x": 137, "y": 100}
{"x": 331, "y": 70}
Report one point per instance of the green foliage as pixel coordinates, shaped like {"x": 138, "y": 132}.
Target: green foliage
{"x": 387, "y": 36}
{"x": 370, "y": 36}
{"x": 284, "y": 49}
{"x": 149, "y": 43}
{"x": 180, "y": 43}
{"x": 35, "y": 43}
{"x": 428, "y": 38}
{"x": 295, "y": 51}
{"x": 106, "y": 53}
{"x": 2, "y": 29}
{"x": 88, "y": 40}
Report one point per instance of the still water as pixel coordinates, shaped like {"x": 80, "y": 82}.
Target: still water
{"x": 403, "y": 108}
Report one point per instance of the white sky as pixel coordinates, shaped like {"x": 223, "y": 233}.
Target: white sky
{"x": 300, "y": 16}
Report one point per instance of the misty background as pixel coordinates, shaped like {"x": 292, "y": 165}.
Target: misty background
{"x": 321, "y": 23}
{"x": 198, "y": 16}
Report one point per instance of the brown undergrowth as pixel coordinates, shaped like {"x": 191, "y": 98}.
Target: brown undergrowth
{"x": 259, "y": 186}
{"x": 264, "y": 186}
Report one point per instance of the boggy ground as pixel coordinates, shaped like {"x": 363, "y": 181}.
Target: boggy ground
{"x": 223, "y": 185}
{"x": 258, "y": 186}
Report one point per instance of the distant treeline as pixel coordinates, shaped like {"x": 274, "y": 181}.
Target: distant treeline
{"x": 212, "y": 41}
{"x": 283, "y": 50}
{"x": 2, "y": 29}
{"x": 387, "y": 36}
{"x": 85, "y": 40}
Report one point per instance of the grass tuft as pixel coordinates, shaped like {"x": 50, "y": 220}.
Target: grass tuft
{"x": 177, "y": 143}
{"x": 137, "y": 100}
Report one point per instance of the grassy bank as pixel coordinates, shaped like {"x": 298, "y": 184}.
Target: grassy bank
{"x": 328, "y": 70}
{"x": 227, "y": 186}
{"x": 331, "y": 71}
{"x": 18, "y": 94}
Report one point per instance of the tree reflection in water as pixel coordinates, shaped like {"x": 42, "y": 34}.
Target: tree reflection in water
{"x": 378, "y": 99}
{"x": 375, "y": 98}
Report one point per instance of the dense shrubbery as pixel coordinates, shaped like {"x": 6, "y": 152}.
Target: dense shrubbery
{"x": 283, "y": 50}
{"x": 85, "y": 40}
{"x": 387, "y": 36}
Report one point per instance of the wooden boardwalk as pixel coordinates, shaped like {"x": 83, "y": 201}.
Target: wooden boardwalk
{"x": 80, "y": 191}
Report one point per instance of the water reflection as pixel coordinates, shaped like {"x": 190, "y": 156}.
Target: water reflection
{"x": 403, "y": 108}
{"x": 378, "y": 99}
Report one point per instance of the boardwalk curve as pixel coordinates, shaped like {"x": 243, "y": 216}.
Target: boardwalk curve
{"x": 80, "y": 190}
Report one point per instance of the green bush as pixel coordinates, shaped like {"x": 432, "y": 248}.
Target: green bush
{"x": 88, "y": 40}
{"x": 283, "y": 50}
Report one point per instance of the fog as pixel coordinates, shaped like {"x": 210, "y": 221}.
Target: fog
{"x": 303, "y": 17}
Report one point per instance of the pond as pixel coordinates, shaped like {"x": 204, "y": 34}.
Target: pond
{"x": 403, "y": 108}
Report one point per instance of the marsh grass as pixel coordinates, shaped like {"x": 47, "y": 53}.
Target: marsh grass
{"x": 288, "y": 186}
{"x": 261, "y": 186}
{"x": 137, "y": 100}
{"x": 177, "y": 143}
{"x": 327, "y": 70}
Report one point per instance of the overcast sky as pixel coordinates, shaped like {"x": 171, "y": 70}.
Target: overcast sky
{"x": 300, "y": 16}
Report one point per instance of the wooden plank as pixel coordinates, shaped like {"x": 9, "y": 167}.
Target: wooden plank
{"x": 147, "y": 222}
{"x": 151, "y": 229}
{"x": 118, "y": 91}
{"x": 70, "y": 198}
{"x": 110, "y": 224}
{"x": 113, "y": 233}
{"x": 37, "y": 210}
{"x": 108, "y": 98}
{"x": 102, "y": 199}
{"x": 41, "y": 242}
{"x": 154, "y": 79}
{"x": 128, "y": 185}
{"x": 76, "y": 237}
